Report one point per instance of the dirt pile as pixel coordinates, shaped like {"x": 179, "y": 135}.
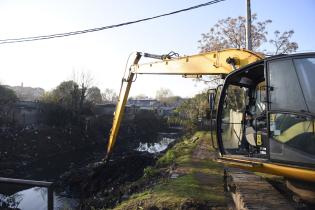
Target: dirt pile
{"x": 101, "y": 184}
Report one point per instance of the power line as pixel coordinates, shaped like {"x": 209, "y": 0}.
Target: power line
{"x": 59, "y": 35}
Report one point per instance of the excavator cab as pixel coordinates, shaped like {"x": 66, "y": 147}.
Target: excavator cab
{"x": 266, "y": 110}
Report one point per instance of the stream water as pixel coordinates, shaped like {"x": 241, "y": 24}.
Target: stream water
{"x": 163, "y": 141}
{"x": 155, "y": 147}
{"x": 35, "y": 198}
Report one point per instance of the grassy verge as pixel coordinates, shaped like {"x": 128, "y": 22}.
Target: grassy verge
{"x": 198, "y": 183}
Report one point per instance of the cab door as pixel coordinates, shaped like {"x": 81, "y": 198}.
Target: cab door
{"x": 291, "y": 91}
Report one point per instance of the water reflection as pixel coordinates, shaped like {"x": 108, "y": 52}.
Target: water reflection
{"x": 155, "y": 147}
{"x": 35, "y": 198}
{"x": 7, "y": 202}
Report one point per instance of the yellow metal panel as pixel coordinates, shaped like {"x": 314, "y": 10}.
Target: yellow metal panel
{"x": 211, "y": 63}
{"x": 259, "y": 142}
{"x": 295, "y": 130}
{"x": 120, "y": 107}
{"x": 272, "y": 117}
{"x": 287, "y": 171}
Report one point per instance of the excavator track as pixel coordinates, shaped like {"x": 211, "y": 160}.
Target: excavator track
{"x": 252, "y": 192}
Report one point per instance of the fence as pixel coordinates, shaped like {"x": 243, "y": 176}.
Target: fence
{"x": 33, "y": 183}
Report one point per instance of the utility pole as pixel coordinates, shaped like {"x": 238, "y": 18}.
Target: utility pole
{"x": 248, "y": 26}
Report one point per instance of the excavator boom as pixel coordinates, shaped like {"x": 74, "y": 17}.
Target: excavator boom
{"x": 211, "y": 63}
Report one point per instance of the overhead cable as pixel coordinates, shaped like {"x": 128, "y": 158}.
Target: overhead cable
{"x": 59, "y": 35}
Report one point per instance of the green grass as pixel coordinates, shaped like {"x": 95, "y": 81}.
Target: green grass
{"x": 149, "y": 172}
{"x": 166, "y": 159}
{"x": 181, "y": 150}
{"x": 185, "y": 187}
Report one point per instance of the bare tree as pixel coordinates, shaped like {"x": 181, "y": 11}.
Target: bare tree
{"x": 163, "y": 93}
{"x": 230, "y": 33}
{"x": 282, "y": 43}
{"x": 109, "y": 95}
{"x": 85, "y": 80}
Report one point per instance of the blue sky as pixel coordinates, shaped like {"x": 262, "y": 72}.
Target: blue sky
{"x": 104, "y": 54}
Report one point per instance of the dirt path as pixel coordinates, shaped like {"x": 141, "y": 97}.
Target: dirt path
{"x": 200, "y": 153}
{"x": 206, "y": 172}
{"x": 203, "y": 150}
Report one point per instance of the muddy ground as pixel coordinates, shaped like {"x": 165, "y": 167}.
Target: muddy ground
{"x": 71, "y": 156}
{"x": 24, "y": 151}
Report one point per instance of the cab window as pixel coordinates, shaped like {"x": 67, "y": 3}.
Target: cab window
{"x": 285, "y": 90}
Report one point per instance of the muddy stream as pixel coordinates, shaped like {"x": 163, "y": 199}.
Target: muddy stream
{"x": 52, "y": 169}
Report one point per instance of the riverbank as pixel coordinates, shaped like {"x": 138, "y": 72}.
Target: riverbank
{"x": 106, "y": 184}
{"x": 185, "y": 177}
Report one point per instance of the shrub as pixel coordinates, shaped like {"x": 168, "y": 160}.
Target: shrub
{"x": 149, "y": 172}
{"x": 167, "y": 159}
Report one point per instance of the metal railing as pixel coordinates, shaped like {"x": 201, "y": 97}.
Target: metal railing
{"x": 33, "y": 183}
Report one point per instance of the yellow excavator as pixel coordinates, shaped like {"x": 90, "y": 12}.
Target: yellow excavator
{"x": 264, "y": 110}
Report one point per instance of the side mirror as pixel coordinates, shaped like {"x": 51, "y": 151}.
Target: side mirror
{"x": 212, "y": 101}
{"x": 213, "y": 94}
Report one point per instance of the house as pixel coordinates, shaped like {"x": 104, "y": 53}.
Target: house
{"x": 144, "y": 104}
{"x": 109, "y": 109}
{"x": 27, "y": 113}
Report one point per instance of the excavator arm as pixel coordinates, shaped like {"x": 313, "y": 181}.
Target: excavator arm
{"x": 211, "y": 63}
